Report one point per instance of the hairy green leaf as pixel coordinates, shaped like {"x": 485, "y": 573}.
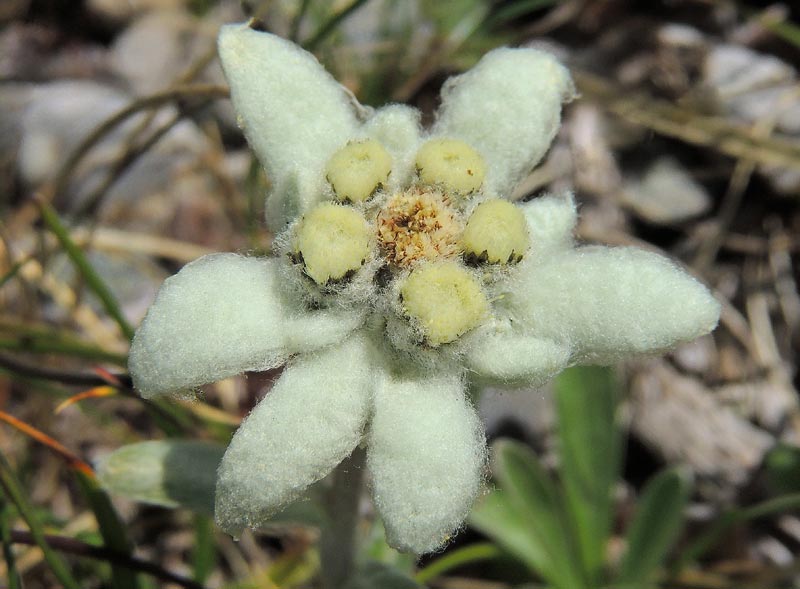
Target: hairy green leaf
{"x": 656, "y": 525}
{"x": 590, "y": 458}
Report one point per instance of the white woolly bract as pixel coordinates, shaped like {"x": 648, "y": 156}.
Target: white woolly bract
{"x": 309, "y": 422}
{"x": 426, "y": 452}
{"x": 500, "y": 355}
{"x": 551, "y": 221}
{"x": 608, "y": 303}
{"x": 397, "y": 128}
{"x": 508, "y": 107}
{"x": 294, "y": 114}
{"x": 222, "y": 315}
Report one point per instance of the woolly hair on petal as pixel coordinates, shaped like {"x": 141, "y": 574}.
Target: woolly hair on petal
{"x": 608, "y": 303}
{"x": 499, "y": 355}
{"x": 508, "y": 107}
{"x": 551, "y": 221}
{"x": 397, "y": 128}
{"x": 309, "y": 422}
{"x": 294, "y": 114}
{"x": 426, "y": 452}
{"x": 222, "y": 315}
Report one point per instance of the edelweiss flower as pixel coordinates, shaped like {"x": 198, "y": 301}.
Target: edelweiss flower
{"x": 402, "y": 276}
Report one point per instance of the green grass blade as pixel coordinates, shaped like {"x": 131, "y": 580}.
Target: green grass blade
{"x": 537, "y": 500}
{"x": 330, "y": 26}
{"x": 515, "y": 10}
{"x": 590, "y": 458}
{"x": 16, "y": 495}
{"x": 12, "y": 576}
{"x": 13, "y": 271}
{"x": 112, "y": 529}
{"x": 655, "y": 527}
{"x": 93, "y": 280}
{"x": 297, "y": 21}
{"x": 204, "y": 553}
{"x": 73, "y": 348}
{"x": 712, "y": 535}
{"x": 458, "y": 558}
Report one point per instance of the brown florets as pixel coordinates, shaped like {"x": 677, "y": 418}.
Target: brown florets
{"x": 418, "y": 224}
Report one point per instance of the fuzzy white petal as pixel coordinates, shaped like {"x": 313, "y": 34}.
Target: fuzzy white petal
{"x": 551, "y": 221}
{"x": 294, "y": 114}
{"x": 608, "y": 303}
{"x": 309, "y": 422}
{"x": 499, "y": 355}
{"x": 508, "y": 107}
{"x": 426, "y": 452}
{"x": 397, "y": 128}
{"x": 222, "y": 315}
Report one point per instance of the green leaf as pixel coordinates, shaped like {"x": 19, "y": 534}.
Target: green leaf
{"x": 537, "y": 501}
{"x": 459, "y": 557}
{"x": 170, "y": 473}
{"x": 655, "y": 527}
{"x": 12, "y": 489}
{"x": 204, "y": 551}
{"x": 496, "y": 517}
{"x": 81, "y": 262}
{"x": 181, "y": 473}
{"x": 376, "y": 548}
{"x": 590, "y": 450}
{"x": 376, "y": 574}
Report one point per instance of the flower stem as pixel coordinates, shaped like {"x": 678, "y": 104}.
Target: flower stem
{"x": 338, "y": 542}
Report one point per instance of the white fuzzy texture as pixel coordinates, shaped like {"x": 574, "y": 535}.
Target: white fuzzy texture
{"x": 551, "y": 221}
{"x": 397, "y": 128}
{"x": 608, "y": 303}
{"x": 426, "y": 454}
{"x": 309, "y": 422}
{"x": 294, "y": 114}
{"x": 225, "y": 313}
{"x": 222, "y": 315}
{"x": 508, "y": 107}
{"x": 499, "y": 355}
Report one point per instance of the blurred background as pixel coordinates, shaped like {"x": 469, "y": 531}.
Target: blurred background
{"x": 120, "y": 161}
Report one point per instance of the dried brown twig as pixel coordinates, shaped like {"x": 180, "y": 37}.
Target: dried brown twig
{"x": 79, "y": 548}
{"x": 687, "y": 125}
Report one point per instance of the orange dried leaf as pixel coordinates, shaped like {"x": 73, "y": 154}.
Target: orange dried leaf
{"x": 93, "y": 393}
{"x": 72, "y": 460}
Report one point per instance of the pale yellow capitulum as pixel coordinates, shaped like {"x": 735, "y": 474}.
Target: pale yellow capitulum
{"x": 358, "y": 169}
{"x": 332, "y": 242}
{"x": 451, "y": 164}
{"x": 444, "y": 300}
{"x": 496, "y": 232}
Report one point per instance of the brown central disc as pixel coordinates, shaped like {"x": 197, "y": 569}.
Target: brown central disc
{"x": 418, "y": 224}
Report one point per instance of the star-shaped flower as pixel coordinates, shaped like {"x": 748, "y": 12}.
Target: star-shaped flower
{"x": 402, "y": 275}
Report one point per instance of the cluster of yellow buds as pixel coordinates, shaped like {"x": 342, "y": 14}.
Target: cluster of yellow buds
{"x": 431, "y": 235}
